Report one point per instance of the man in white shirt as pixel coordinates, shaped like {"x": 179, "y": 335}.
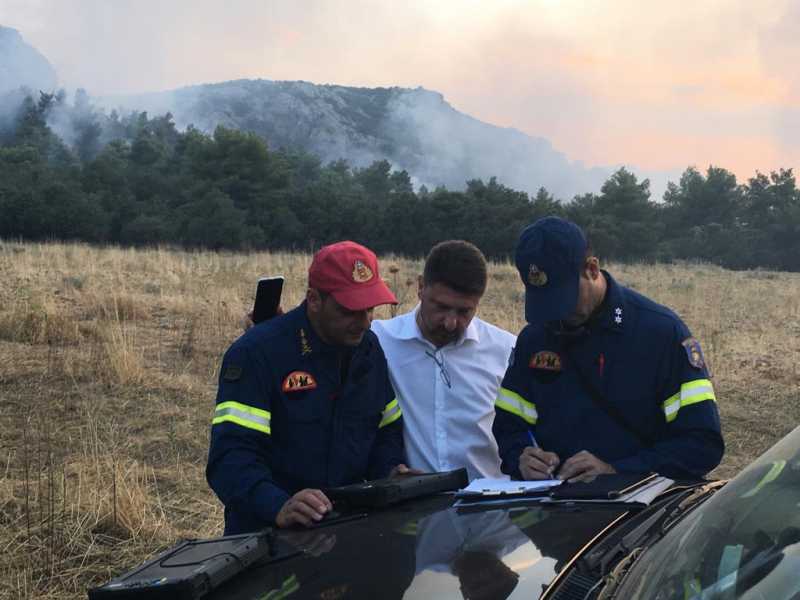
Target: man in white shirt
{"x": 446, "y": 365}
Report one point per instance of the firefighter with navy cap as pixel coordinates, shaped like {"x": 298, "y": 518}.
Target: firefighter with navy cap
{"x": 602, "y": 379}
{"x": 304, "y": 401}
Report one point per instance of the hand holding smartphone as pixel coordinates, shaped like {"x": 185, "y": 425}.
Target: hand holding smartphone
{"x": 268, "y": 298}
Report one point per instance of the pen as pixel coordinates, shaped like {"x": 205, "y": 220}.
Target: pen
{"x": 532, "y": 439}
{"x": 535, "y": 445}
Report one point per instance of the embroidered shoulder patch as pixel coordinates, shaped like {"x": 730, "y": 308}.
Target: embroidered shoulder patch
{"x": 297, "y": 381}
{"x": 694, "y": 353}
{"x": 546, "y": 360}
{"x": 232, "y": 373}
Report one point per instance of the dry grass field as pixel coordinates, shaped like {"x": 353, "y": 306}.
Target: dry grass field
{"x": 108, "y": 361}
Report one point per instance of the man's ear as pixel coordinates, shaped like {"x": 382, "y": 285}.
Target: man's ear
{"x": 420, "y": 285}
{"x": 592, "y": 267}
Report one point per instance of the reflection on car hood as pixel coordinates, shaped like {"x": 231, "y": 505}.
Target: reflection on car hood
{"x": 428, "y": 549}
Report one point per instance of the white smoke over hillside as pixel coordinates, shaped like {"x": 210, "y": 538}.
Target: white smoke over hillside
{"x": 415, "y": 129}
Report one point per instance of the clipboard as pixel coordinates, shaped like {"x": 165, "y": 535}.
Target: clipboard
{"x": 484, "y": 489}
{"x": 603, "y": 487}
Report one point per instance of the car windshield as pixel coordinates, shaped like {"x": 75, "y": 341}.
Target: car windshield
{"x": 744, "y": 542}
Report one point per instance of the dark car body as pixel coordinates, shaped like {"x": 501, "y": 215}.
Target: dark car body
{"x": 700, "y": 540}
{"x": 695, "y": 541}
{"x": 429, "y": 549}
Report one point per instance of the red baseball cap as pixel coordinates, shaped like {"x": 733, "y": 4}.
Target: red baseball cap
{"x": 349, "y": 272}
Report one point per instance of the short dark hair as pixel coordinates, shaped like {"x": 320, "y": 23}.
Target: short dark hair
{"x": 457, "y": 264}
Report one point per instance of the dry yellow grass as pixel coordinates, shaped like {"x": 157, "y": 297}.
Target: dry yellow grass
{"x": 108, "y": 361}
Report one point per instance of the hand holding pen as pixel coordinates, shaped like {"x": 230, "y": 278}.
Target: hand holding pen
{"x": 535, "y": 463}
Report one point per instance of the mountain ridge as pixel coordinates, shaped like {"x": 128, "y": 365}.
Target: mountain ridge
{"x": 22, "y": 65}
{"x": 414, "y": 128}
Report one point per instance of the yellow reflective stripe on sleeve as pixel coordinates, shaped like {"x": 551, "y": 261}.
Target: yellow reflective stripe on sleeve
{"x": 243, "y": 415}
{"x": 697, "y": 391}
{"x": 391, "y": 413}
{"x": 516, "y": 405}
{"x": 691, "y": 393}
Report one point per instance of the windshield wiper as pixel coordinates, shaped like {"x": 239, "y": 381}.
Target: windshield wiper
{"x": 600, "y": 562}
{"x": 691, "y": 501}
{"x": 653, "y": 527}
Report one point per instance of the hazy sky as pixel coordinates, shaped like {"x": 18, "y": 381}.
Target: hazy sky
{"x": 606, "y": 81}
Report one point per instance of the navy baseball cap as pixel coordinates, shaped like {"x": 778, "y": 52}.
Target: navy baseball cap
{"x": 550, "y": 256}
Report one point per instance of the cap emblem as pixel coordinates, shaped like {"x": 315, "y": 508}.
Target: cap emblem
{"x": 361, "y": 272}
{"x": 536, "y": 277}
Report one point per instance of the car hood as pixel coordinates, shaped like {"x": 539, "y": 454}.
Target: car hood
{"x": 428, "y": 549}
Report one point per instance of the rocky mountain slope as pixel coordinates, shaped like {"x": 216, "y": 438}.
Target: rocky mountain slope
{"x": 22, "y": 65}
{"x": 415, "y": 129}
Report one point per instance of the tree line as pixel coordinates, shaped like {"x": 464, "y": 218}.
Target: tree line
{"x": 71, "y": 172}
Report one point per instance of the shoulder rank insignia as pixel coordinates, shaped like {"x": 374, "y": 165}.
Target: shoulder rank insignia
{"x": 361, "y": 272}
{"x": 694, "y": 353}
{"x": 536, "y": 277}
{"x": 305, "y": 347}
{"x": 546, "y": 360}
{"x": 297, "y": 381}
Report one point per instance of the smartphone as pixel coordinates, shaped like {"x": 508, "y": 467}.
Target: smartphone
{"x": 268, "y": 298}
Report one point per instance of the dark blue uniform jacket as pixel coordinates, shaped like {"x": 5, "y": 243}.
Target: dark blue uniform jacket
{"x": 642, "y": 357}
{"x": 290, "y": 415}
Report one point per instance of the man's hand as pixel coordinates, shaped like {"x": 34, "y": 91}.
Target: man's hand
{"x": 247, "y": 320}
{"x": 401, "y": 469}
{"x": 583, "y": 466}
{"x": 535, "y": 463}
{"x": 306, "y": 507}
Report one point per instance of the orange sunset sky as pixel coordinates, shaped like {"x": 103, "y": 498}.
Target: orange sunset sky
{"x": 607, "y": 82}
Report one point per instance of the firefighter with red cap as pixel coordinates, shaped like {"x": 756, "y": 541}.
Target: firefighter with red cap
{"x": 304, "y": 401}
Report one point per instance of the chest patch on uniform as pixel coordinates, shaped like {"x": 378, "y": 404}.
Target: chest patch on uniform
{"x": 546, "y": 361}
{"x": 232, "y": 373}
{"x": 694, "y": 353}
{"x": 297, "y": 381}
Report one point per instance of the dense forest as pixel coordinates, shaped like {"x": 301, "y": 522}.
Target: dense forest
{"x": 71, "y": 172}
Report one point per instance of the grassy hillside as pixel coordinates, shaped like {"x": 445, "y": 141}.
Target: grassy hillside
{"x": 108, "y": 362}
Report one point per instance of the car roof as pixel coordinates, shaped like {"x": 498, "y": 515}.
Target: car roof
{"x": 428, "y": 548}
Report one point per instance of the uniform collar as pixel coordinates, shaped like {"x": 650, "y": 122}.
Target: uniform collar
{"x": 409, "y": 329}
{"x": 309, "y": 343}
{"x": 612, "y": 315}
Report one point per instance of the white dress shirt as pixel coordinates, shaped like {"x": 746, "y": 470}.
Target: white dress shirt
{"x": 447, "y": 394}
